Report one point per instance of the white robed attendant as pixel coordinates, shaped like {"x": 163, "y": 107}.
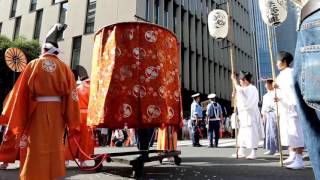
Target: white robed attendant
{"x": 250, "y": 130}
{"x": 269, "y": 116}
{"x": 290, "y": 129}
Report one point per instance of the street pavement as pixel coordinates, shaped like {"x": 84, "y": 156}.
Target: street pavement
{"x": 197, "y": 163}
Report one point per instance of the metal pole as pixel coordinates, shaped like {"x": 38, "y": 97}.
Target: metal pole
{"x": 275, "y": 92}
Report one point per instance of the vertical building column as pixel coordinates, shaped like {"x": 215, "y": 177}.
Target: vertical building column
{"x": 185, "y": 41}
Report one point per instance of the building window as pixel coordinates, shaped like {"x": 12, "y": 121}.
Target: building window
{"x": 17, "y": 28}
{"x": 13, "y": 8}
{"x": 63, "y": 12}
{"x": 157, "y": 12}
{"x": 183, "y": 17}
{"x": 147, "y": 10}
{"x": 192, "y": 6}
{"x": 76, "y": 49}
{"x": 57, "y": 1}
{"x": 166, "y": 14}
{"x": 63, "y": 15}
{"x": 0, "y": 27}
{"x": 175, "y": 14}
{"x": 37, "y": 27}
{"x": 33, "y": 5}
{"x": 91, "y": 14}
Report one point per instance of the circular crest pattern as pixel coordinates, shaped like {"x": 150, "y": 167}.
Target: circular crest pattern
{"x": 151, "y": 36}
{"x": 49, "y": 66}
{"x": 153, "y": 111}
{"x": 139, "y": 53}
{"x": 126, "y": 110}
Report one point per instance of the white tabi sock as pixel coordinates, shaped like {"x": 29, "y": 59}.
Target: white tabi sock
{"x": 241, "y": 151}
{"x": 292, "y": 156}
{"x": 297, "y": 163}
{"x": 299, "y": 158}
{"x": 253, "y": 152}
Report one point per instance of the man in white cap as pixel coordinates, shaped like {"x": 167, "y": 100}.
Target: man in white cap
{"x": 196, "y": 117}
{"x": 214, "y": 119}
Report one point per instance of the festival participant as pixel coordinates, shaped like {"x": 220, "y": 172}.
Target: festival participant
{"x": 9, "y": 148}
{"x": 85, "y": 138}
{"x": 8, "y": 151}
{"x": 290, "y": 129}
{"x": 250, "y": 131}
{"x": 268, "y": 112}
{"x": 167, "y": 140}
{"x": 41, "y": 104}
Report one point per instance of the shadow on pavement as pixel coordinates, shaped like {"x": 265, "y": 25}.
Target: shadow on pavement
{"x": 214, "y": 168}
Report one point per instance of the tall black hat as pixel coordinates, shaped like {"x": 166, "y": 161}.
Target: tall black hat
{"x": 54, "y": 33}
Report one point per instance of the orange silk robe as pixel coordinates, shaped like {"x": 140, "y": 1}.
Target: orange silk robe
{"x": 3, "y": 120}
{"x": 43, "y": 123}
{"x": 167, "y": 141}
{"x": 9, "y": 148}
{"x": 85, "y": 138}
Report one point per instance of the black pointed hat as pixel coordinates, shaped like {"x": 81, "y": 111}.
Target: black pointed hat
{"x": 54, "y": 33}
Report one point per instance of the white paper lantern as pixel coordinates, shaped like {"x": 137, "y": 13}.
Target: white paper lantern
{"x": 218, "y": 23}
{"x": 273, "y": 12}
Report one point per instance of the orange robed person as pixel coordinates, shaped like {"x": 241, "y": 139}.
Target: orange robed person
{"x": 40, "y": 106}
{"x": 85, "y": 137}
{"x": 167, "y": 140}
{"x": 9, "y": 152}
{"x": 9, "y": 149}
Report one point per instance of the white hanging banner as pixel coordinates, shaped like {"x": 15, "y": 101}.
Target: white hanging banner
{"x": 218, "y": 23}
{"x": 273, "y": 12}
